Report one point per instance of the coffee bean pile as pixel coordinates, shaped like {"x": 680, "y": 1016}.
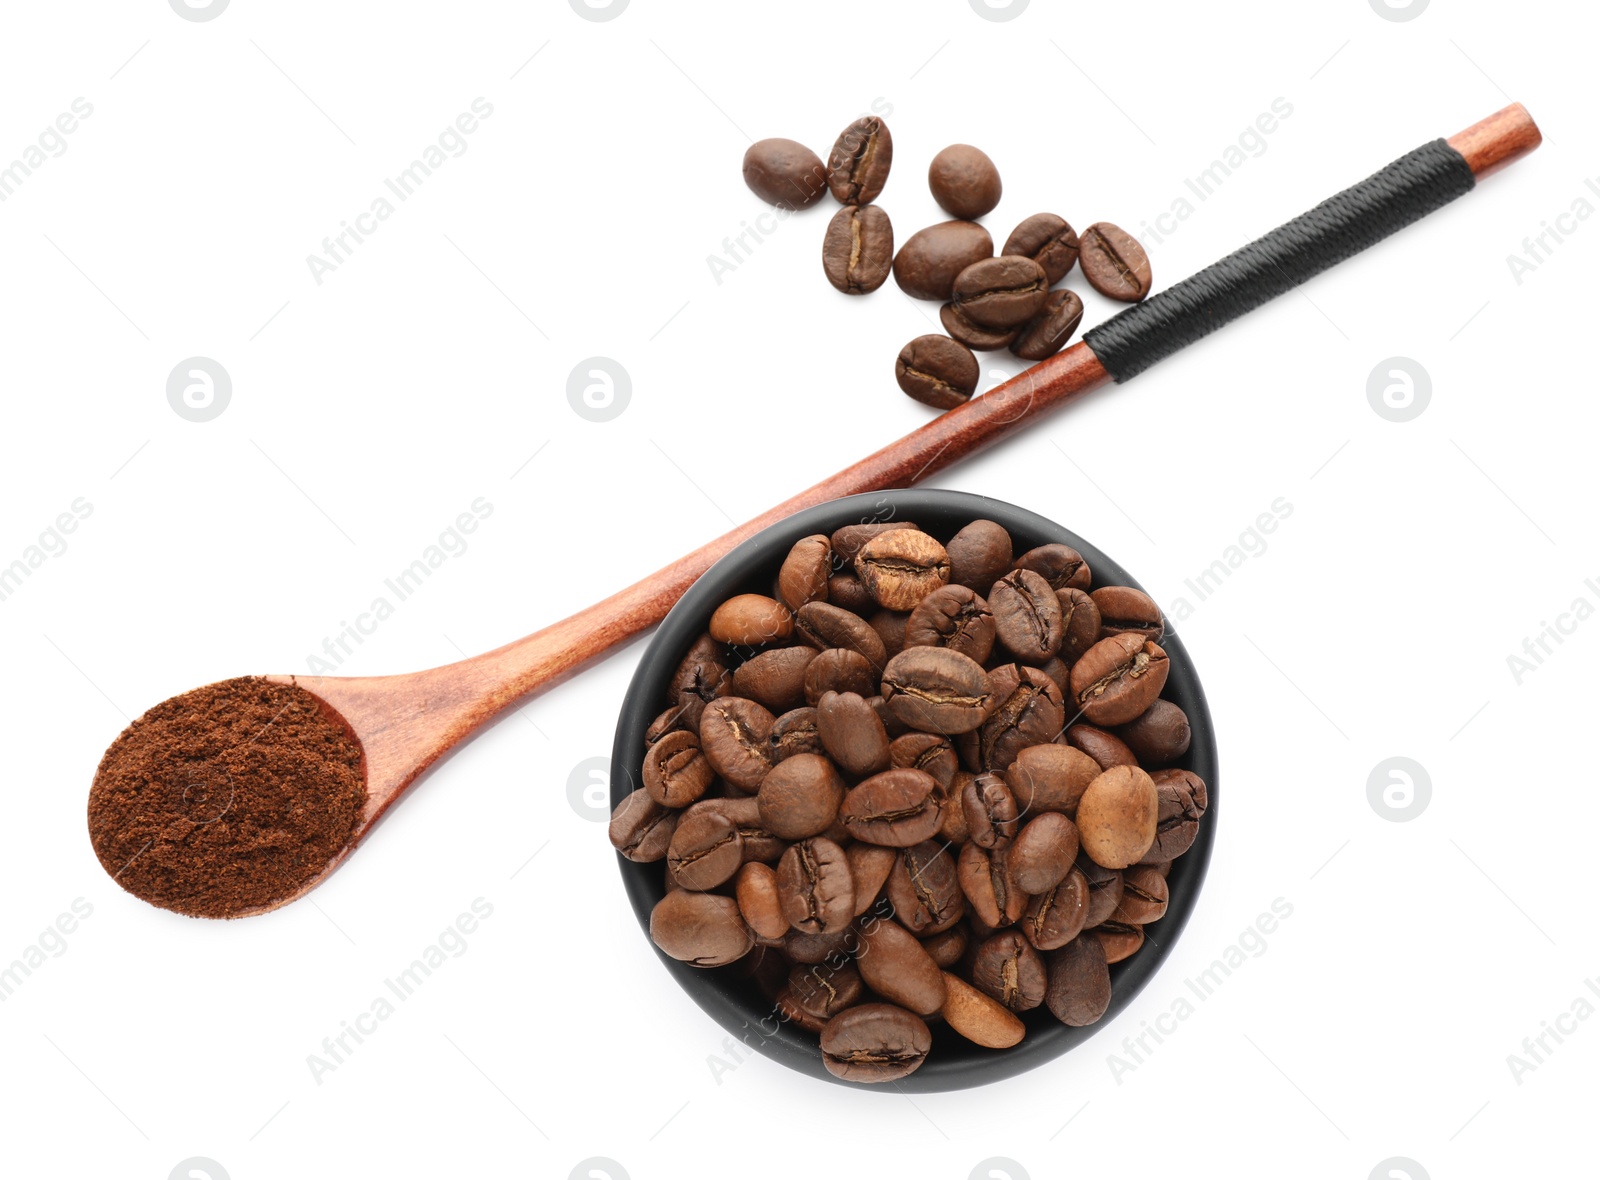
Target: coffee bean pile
{"x": 918, "y": 781}
{"x": 989, "y": 302}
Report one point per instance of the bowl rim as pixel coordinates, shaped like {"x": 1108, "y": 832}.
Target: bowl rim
{"x": 730, "y": 1000}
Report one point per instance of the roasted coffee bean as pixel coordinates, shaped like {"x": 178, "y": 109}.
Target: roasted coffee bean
{"x": 936, "y": 371}
{"x": 892, "y": 725}
{"x": 897, "y": 808}
{"x": 990, "y": 810}
{"x": 1126, "y": 611}
{"x": 676, "y": 770}
{"x": 812, "y": 949}
{"x": 875, "y": 1043}
{"x": 1114, "y": 263}
{"x": 733, "y": 734}
{"x": 1057, "y": 915}
{"x": 952, "y": 816}
{"x": 924, "y": 890}
{"x": 1043, "y": 852}
{"x": 1004, "y": 292}
{"x": 852, "y": 734}
{"x": 1055, "y": 667}
{"x": 665, "y": 722}
{"x": 701, "y": 676}
{"x": 964, "y": 181}
{"x": 1028, "y": 710}
{"x": 1163, "y": 867}
{"x": 775, "y": 679}
{"x": 926, "y": 752}
{"x": 803, "y": 577}
{"x": 947, "y": 947}
{"x": 756, "y": 890}
{"x": 794, "y": 733}
{"x": 759, "y": 843}
{"x": 891, "y": 628}
{"x": 937, "y": 690}
{"x": 799, "y": 797}
{"x": 1118, "y": 678}
{"x": 1007, "y": 969}
{"x": 870, "y": 866}
{"x": 1119, "y": 940}
{"x": 641, "y": 828}
{"x": 846, "y": 592}
{"x": 1117, "y": 817}
{"x": 902, "y": 567}
{"x": 815, "y": 886}
{"x": 1060, "y": 565}
{"x": 893, "y": 964}
{"x": 1049, "y": 330}
{"x": 825, "y": 625}
{"x": 1181, "y": 796}
{"x": 822, "y": 991}
{"x": 1027, "y": 617}
{"x": 858, "y": 249}
{"x": 705, "y": 851}
{"x": 1159, "y": 735}
{"x": 1105, "y": 889}
{"x": 858, "y": 166}
{"x": 751, "y": 620}
{"x": 1080, "y": 624}
{"x": 839, "y": 670}
{"x": 847, "y": 541}
{"x": 1144, "y": 897}
{"x": 785, "y": 173}
{"x": 1049, "y": 241}
{"x": 975, "y": 336}
{"x": 1080, "y": 985}
{"x": 1050, "y": 778}
{"x": 954, "y": 617}
{"x": 979, "y": 555}
{"x": 986, "y": 879}
{"x": 927, "y": 264}
{"x": 703, "y": 929}
{"x": 975, "y": 1016}
{"x": 1106, "y": 748}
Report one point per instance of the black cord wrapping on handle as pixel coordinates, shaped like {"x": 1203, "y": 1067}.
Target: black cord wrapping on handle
{"x": 1345, "y": 224}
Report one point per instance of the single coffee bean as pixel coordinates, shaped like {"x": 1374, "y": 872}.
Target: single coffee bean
{"x": 839, "y": 670}
{"x": 926, "y": 752}
{"x": 1119, "y": 940}
{"x": 1126, "y": 611}
{"x": 799, "y": 797}
{"x": 952, "y": 816}
{"x": 947, "y": 947}
{"x": 991, "y": 811}
{"x": 902, "y": 567}
{"x": 1055, "y": 667}
{"x": 1058, "y": 915}
{"x": 641, "y": 828}
{"x": 1118, "y": 678}
{"x": 1060, "y": 565}
{"x": 1049, "y": 241}
{"x": 891, "y": 628}
{"x": 1106, "y": 748}
{"x": 964, "y": 181}
{"x": 927, "y": 264}
{"x": 765, "y": 967}
{"x": 676, "y": 770}
{"x": 1043, "y": 852}
{"x": 846, "y": 592}
{"x": 826, "y": 625}
{"x": 785, "y": 173}
{"x": 924, "y": 890}
{"x": 975, "y": 1016}
{"x": 1159, "y": 735}
{"x": 892, "y": 725}
{"x": 1163, "y": 867}
{"x": 936, "y": 371}
{"x": 893, "y": 964}
{"x": 897, "y": 808}
{"x": 1117, "y": 817}
{"x": 701, "y": 677}
{"x": 975, "y": 336}
{"x": 1182, "y": 802}
{"x": 858, "y": 249}
{"x": 815, "y": 886}
{"x": 775, "y": 679}
{"x": 665, "y": 722}
{"x": 1007, "y": 969}
{"x": 756, "y": 890}
{"x": 1080, "y": 624}
{"x": 937, "y": 690}
{"x": 733, "y": 734}
{"x": 847, "y": 541}
{"x": 858, "y": 166}
{"x": 1048, "y": 331}
{"x": 1050, "y": 778}
{"x": 794, "y": 733}
{"x": 1080, "y": 984}
{"x": 803, "y": 577}
{"x": 705, "y": 851}
{"x": 1003, "y": 292}
{"x": 852, "y": 734}
{"x": 1114, "y": 262}
{"x": 822, "y": 991}
{"x": 980, "y": 554}
{"x": 1027, "y": 617}
{"x": 1105, "y": 889}
{"x": 811, "y": 949}
{"x": 875, "y": 1043}
{"x": 702, "y": 929}
{"x": 744, "y": 813}
{"x": 986, "y": 879}
{"x": 953, "y": 617}
{"x": 1144, "y": 897}
{"x": 1028, "y": 710}
{"x": 870, "y": 866}
{"x": 751, "y": 620}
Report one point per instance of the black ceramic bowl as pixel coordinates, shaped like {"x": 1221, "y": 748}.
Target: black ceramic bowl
{"x": 733, "y": 1001}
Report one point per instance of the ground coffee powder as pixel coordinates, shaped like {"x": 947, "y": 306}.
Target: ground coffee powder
{"x": 226, "y": 799}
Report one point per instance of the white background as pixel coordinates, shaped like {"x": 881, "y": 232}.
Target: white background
{"x": 369, "y": 410}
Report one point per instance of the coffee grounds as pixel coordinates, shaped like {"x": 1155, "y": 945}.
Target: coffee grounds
{"x": 226, "y": 799}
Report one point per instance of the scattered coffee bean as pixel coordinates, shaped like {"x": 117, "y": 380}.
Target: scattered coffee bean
{"x": 973, "y": 334}
{"x": 948, "y": 947}
{"x": 874, "y": 1043}
{"x": 858, "y": 249}
{"x": 1158, "y": 736}
{"x": 1114, "y": 262}
{"x": 1107, "y": 749}
{"x": 1117, "y": 817}
{"x": 800, "y": 797}
{"x": 1080, "y": 624}
{"x": 794, "y": 733}
{"x": 705, "y": 851}
{"x": 1008, "y": 969}
{"x": 1105, "y": 890}
{"x": 774, "y": 679}
{"x": 980, "y": 1019}
{"x": 815, "y": 887}
{"x": 924, "y": 890}
{"x": 858, "y": 166}
{"x": 756, "y": 890}
{"x": 894, "y": 964}
{"x": 1043, "y": 853}
{"x": 953, "y": 617}
{"x": 1119, "y": 940}
{"x": 870, "y": 866}
{"x": 839, "y": 669}
{"x": 1058, "y": 914}
{"x": 1118, "y": 678}
{"x": 676, "y": 771}
{"x": 927, "y": 264}
{"x": 902, "y": 567}
{"x": 1144, "y": 897}
{"x": 1027, "y": 616}
{"x": 979, "y": 555}
{"x": 733, "y": 735}
{"x": 803, "y": 577}
{"x": 1049, "y": 241}
{"x": 928, "y": 752}
{"x": 1080, "y": 984}
{"x": 897, "y": 808}
{"x": 891, "y": 628}
{"x": 937, "y": 371}
{"x": 828, "y": 625}
{"x": 1126, "y": 611}
{"x": 641, "y": 828}
{"x": 1050, "y": 777}
{"x": 1048, "y": 332}
{"x": 852, "y": 735}
{"x": 964, "y": 181}
{"x": 1004, "y": 292}
{"x": 785, "y": 173}
{"x": 1181, "y": 796}
{"x": 1062, "y": 566}
{"x": 991, "y": 811}
{"x": 703, "y": 929}
{"x": 751, "y": 620}
{"x": 937, "y": 690}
